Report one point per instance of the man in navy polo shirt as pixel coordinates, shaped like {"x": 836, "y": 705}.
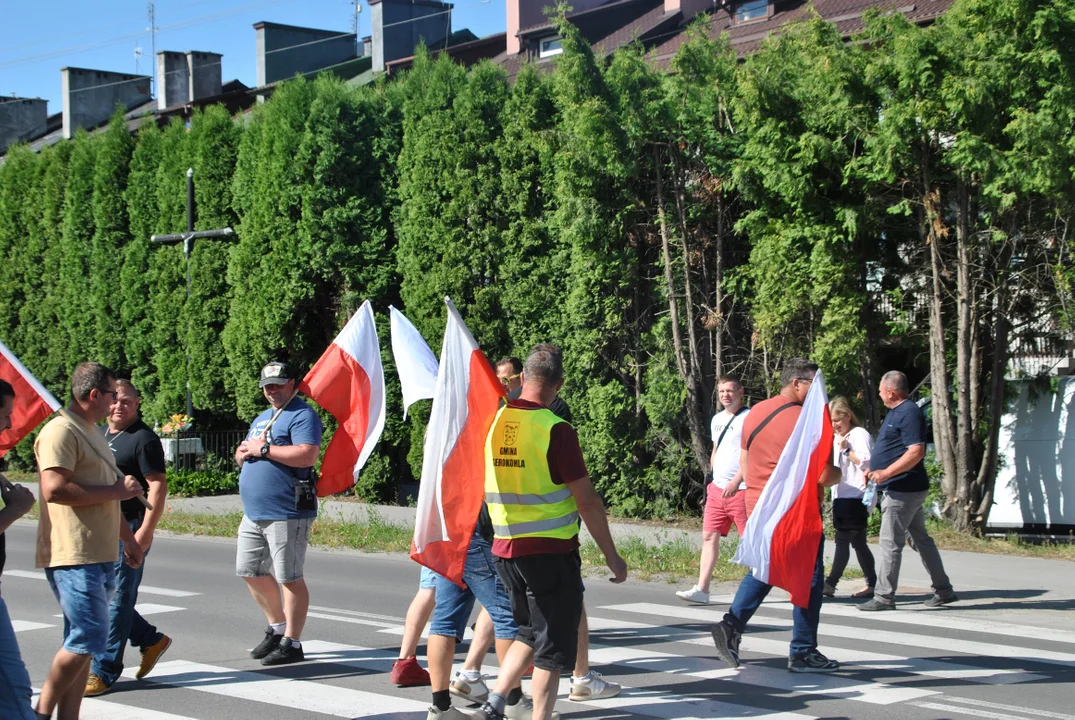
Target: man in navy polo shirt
{"x": 897, "y": 468}
{"x": 277, "y": 460}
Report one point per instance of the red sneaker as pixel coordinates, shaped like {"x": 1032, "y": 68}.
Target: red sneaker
{"x": 408, "y": 673}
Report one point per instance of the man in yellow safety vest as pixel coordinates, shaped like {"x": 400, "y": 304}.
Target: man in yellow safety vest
{"x": 537, "y": 487}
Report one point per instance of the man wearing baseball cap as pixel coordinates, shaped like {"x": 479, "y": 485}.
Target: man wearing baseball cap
{"x": 276, "y": 484}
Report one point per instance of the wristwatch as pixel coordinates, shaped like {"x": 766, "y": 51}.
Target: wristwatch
{"x": 264, "y": 452}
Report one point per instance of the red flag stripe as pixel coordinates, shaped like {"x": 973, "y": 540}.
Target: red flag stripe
{"x": 33, "y": 403}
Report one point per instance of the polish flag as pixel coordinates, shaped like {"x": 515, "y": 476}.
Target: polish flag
{"x": 348, "y": 382}
{"x": 781, "y": 538}
{"x": 453, "y": 465}
{"x": 33, "y": 403}
{"x": 415, "y": 362}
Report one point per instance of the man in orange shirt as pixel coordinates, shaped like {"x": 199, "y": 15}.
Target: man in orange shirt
{"x": 766, "y": 431}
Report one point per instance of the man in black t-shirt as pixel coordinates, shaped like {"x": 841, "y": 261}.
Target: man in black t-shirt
{"x": 138, "y": 452}
{"x": 897, "y": 467}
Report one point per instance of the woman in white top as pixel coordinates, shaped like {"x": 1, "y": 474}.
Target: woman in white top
{"x": 852, "y": 446}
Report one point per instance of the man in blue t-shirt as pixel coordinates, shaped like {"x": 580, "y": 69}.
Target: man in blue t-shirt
{"x": 897, "y": 468}
{"x": 279, "y": 506}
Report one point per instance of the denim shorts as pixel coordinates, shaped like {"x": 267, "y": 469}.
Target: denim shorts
{"x": 272, "y": 547}
{"x": 454, "y": 603}
{"x": 427, "y": 580}
{"x": 84, "y": 593}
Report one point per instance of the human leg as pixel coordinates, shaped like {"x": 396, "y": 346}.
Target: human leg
{"x": 931, "y": 556}
{"x": 418, "y": 614}
{"x": 84, "y": 593}
{"x": 729, "y": 631}
{"x": 840, "y": 556}
{"x": 253, "y": 563}
{"x": 861, "y": 545}
{"x": 15, "y": 689}
{"x": 543, "y": 688}
{"x": 897, "y": 511}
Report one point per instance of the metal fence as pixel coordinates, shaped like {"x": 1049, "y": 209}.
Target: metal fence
{"x": 202, "y": 450}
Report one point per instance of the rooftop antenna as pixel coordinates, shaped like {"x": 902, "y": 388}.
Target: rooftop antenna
{"x": 151, "y": 13}
{"x": 354, "y": 26}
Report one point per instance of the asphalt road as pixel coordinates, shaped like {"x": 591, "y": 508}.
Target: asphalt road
{"x": 993, "y": 655}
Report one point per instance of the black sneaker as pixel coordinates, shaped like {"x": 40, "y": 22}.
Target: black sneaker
{"x": 727, "y": 638}
{"x": 284, "y": 654}
{"x": 939, "y": 600}
{"x": 266, "y": 646}
{"x": 812, "y": 662}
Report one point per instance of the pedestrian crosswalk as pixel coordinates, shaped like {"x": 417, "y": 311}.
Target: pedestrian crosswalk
{"x": 921, "y": 664}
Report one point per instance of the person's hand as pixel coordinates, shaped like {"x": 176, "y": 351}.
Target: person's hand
{"x": 242, "y": 453}
{"x": 129, "y": 487}
{"x": 132, "y": 554}
{"x": 144, "y": 537}
{"x": 18, "y": 498}
{"x": 618, "y": 567}
{"x": 878, "y": 476}
{"x": 730, "y": 490}
{"x": 253, "y": 447}
{"x": 842, "y": 443}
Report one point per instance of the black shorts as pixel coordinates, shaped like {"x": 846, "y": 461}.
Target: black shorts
{"x": 546, "y": 601}
{"x": 849, "y": 514}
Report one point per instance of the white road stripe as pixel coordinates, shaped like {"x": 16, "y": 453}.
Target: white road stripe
{"x": 932, "y": 618}
{"x": 852, "y": 659}
{"x": 351, "y": 620}
{"x": 985, "y": 715}
{"x": 148, "y": 589}
{"x": 304, "y": 695}
{"x": 829, "y": 630}
{"x": 97, "y": 709}
{"x": 1010, "y": 708}
{"x": 148, "y": 609}
{"x": 356, "y": 613}
{"x": 24, "y": 625}
{"x": 651, "y": 702}
{"x": 710, "y": 668}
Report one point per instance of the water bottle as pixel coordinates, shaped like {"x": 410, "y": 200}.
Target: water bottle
{"x": 870, "y": 494}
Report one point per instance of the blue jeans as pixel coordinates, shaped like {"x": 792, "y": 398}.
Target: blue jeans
{"x": 804, "y": 620}
{"x": 124, "y": 621}
{"x": 452, "y": 611}
{"x": 15, "y": 689}
{"x": 84, "y": 592}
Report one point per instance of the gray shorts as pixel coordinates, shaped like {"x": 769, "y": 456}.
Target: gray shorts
{"x": 276, "y": 547}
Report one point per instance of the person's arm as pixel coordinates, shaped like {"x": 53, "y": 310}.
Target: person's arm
{"x": 734, "y": 484}
{"x": 592, "y": 511}
{"x": 58, "y": 489}
{"x": 296, "y": 456}
{"x": 831, "y": 476}
{"x": 17, "y": 502}
{"x": 157, "y": 494}
{"x": 132, "y": 552}
{"x": 907, "y": 461}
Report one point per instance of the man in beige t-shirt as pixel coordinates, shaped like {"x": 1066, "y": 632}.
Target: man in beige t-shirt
{"x": 79, "y": 531}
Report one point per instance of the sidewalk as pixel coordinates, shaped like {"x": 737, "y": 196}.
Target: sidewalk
{"x": 1019, "y": 579}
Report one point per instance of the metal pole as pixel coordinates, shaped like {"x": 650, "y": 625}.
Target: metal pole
{"x": 188, "y": 247}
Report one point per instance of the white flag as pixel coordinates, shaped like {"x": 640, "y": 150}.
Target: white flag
{"x": 415, "y": 362}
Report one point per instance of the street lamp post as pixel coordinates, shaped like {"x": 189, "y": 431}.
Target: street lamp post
{"x": 188, "y": 239}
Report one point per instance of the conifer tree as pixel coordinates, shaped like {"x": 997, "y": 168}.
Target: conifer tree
{"x": 74, "y": 310}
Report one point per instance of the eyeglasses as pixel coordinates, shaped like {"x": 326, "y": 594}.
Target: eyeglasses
{"x": 508, "y": 380}
{"x": 113, "y": 393}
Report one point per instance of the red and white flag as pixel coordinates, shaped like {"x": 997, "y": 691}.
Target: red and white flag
{"x": 453, "y": 465}
{"x": 348, "y": 382}
{"x": 781, "y": 538}
{"x": 33, "y": 403}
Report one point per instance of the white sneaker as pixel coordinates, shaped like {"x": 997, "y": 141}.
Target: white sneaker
{"x": 472, "y": 690}
{"x": 694, "y": 595}
{"x": 594, "y": 687}
{"x": 524, "y": 710}
{"x": 451, "y": 713}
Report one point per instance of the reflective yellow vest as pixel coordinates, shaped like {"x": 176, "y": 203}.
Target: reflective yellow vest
{"x": 522, "y": 498}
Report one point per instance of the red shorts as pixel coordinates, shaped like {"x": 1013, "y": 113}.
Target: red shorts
{"x": 721, "y": 512}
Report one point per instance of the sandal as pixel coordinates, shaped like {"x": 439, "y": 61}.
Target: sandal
{"x": 866, "y": 592}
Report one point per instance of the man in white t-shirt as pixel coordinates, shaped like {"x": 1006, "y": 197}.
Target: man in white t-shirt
{"x": 724, "y": 504}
